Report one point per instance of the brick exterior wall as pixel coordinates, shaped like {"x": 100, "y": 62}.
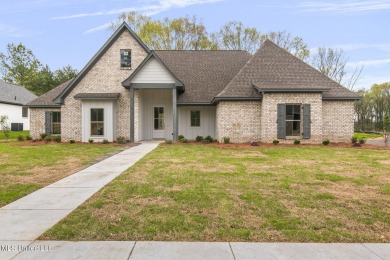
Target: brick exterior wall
{"x": 338, "y": 119}
{"x": 269, "y": 114}
{"x": 37, "y": 121}
{"x": 105, "y": 76}
{"x": 238, "y": 120}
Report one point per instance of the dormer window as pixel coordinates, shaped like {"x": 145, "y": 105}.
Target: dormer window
{"x": 126, "y": 59}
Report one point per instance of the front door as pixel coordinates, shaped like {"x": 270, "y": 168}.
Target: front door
{"x": 158, "y": 123}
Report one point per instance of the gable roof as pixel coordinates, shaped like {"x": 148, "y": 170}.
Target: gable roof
{"x": 126, "y": 83}
{"x": 274, "y": 69}
{"x": 204, "y": 73}
{"x": 14, "y": 94}
{"x": 123, "y": 27}
{"x": 47, "y": 99}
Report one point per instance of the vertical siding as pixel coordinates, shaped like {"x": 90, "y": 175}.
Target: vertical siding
{"x": 153, "y": 72}
{"x": 149, "y": 98}
{"x": 207, "y": 122}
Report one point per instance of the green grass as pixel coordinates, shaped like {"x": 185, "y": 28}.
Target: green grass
{"x": 366, "y": 135}
{"x": 26, "y": 167}
{"x": 14, "y": 135}
{"x": 202, "y": 193}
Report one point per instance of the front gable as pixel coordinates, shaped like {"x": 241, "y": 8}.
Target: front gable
{"x": 105, "y": 64}
{"x": 153, "y": 72}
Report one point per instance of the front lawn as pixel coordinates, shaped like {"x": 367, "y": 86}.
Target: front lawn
{"x": 13, "y": 135}
{"x": 366, "y": 135}
{"x": 26, "y": 166}
{"x": 194, "y": 192}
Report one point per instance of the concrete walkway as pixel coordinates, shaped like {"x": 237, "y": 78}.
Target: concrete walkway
{"x": 23, "y": 221}
{"x": 377, "y": 141}
{"x": 201, "y": 250}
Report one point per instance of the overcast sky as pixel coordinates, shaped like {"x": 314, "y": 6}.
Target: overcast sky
{"x": 62, "y": 32}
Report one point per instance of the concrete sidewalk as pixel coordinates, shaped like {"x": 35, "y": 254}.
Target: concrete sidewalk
{"x": 24, "y": 220}
{"x": 200, "y": 250}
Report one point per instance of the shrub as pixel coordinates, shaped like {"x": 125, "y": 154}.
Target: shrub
{"x": 28, "y": 137}
{"x": 20, "y": 138}
{"x": 275, "y": 142}
{"x": 297, "y": 141}
{"x": 72, "y": 141}
{"x": 209, "y": 138}
{"x": 254, "y": 143}
{"x": 354, "y": 139}
{"x": 199, "y": 138}
{"x": 90, "y": 140}
{"x": 57, "y": 138}
{"x": 180, "y": 137}
{"x": 47, "y": 139}
{"x": 226, "y": 140}
{"x": 168, "y": 141}
{"x": 326, "y": 142}
{"x": 121, "y": 140}
{"x": 184, "y": 140}
{"x": 43, "y": 136}
{"x": 362, "y": 140}
{"x": 105, "y": 141}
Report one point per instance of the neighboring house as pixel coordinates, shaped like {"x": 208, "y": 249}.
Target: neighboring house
{"x": 12, "y": 101}
{"x": 128, "y": 90}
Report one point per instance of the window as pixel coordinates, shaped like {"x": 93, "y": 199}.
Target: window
{"x": 97, "y": 121}
{"x": 56, "y": 123}
{"x": 195, "y": 118}
{"x": 293, "y": 120}
{"x": 125, "y": 58}
{"x": 158, "y": 118}
{"x": 24, "y": 112}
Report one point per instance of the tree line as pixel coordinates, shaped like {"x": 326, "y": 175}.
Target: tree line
{"x": 373, "y": 110}
{"x": 20, "y": 66}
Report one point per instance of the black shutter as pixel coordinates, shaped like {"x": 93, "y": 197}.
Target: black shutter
{"x": 281, "y": 121}
{"x": 48, "y": 120}
{"x": 306, "y": 121}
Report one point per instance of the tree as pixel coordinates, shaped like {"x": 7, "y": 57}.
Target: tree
{"x": 63, "y": 74}
{"x": 4, "y": 126}
{"x": 292, "y": 44}
{"x": 362, "y": 108}
{"x": 19, "y": 65}
{"x": 331, "y": 62}
{"x": 235, "y": 36}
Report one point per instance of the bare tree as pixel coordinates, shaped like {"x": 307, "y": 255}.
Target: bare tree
{"x": 332, "y": 62}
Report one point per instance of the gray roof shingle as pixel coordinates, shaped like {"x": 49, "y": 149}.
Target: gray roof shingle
{"x": 273, "y": 68}
{"x": 47, "y": 99}
{"x": 204, "y": 73}
{"x": 14, "y": 94}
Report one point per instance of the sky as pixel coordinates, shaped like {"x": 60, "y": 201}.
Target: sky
{"x": 62, "y": 32}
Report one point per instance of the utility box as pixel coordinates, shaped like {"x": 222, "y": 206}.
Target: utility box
{"x": 16, "y": 127}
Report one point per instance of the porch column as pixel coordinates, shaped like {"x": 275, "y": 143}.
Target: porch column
{"x": 174, "y": 114}
{"x": 131, "y": 114}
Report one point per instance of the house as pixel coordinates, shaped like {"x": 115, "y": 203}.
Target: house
{"x": 127, "y": 90}
{"x": 12, "y": 101}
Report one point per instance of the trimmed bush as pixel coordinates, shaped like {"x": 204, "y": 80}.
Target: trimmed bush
{"x": 28, "y": 137}
{"x": 297, "y": 141}
{"x": 199, "y": 138}
{"x": 56, "y": 138}
{"x": 326, "y": 142}
{"x": 168, "y": 141}
{"x": 180, "y": 137}
{"x": 276, "y": 141}
{"x": 105, "y": 141}
{"x": 209, "y": 138}
{"x": 72, "y": 141}
{"x": 121, "y": 140}
{"x": 362, "y": 140}
{"x": 47, "y": 139}
{"x": 226, "y": 140}
{"x": 183, "y": 140}
{"x": 90, "y": 140}
{"x": 43, "y": 136}
{"x": 354, "y": 139}
{"x": 20, "y": 138}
